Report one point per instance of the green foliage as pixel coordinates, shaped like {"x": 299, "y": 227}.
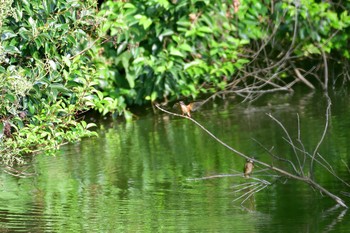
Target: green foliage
{"x": 61, "y": 58}
{"x": 163, "y": 48}
{"x": 159, "y": 49}
{"x": 46, "y": 80}
{"x": 320, "y": 25}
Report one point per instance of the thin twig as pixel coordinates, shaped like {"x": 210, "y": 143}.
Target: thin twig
{"x": 326, "y": 166}
{"x": 301, "y": 143}
{"x": 300, "y": 171}
{"x": 89, "y": 47}
{"x": 247, "y": 193}
{"x": 214, "y": 176}
{"x": 255, "y": 190}
{"x": 325, "y": 85}
{"x": 247, "y": 186}
{"x": 329, "y": 103}
{"x": 277, "y": 157}
{"x": 346, "y": 165}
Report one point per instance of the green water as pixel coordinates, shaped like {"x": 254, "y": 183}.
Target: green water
{"x": 141, "y": 176}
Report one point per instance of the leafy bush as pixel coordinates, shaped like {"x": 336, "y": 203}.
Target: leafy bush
{"x": 319, "y": 25}
{"x": 47, "y": 80}
{"x": 162, "y": 49}
{"x": 159, "y": 49}
{"x": 59, "y": 58}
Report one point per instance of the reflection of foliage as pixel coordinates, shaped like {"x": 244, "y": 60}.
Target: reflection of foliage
{"x": 104, "y": 183}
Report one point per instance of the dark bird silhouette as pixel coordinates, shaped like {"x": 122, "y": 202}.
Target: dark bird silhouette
{"x": 248, "y": 168}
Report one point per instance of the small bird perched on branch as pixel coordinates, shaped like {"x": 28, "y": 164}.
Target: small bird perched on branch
{"x": 248, "y": 168}
{"x": 186, "y": 109}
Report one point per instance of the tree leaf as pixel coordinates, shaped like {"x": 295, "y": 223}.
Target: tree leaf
{"x": 166, "y": 32}
{"x": 7, "y": 35}
{"x": 53, "y": 64}
{"x": 176, "y": 52}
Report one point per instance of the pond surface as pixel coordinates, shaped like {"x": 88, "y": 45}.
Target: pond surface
{"x": 145, "y": 176}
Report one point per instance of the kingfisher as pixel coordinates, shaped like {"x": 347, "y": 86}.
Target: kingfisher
{"x": 248, "y": 168}
{"x": 186, "y": 109}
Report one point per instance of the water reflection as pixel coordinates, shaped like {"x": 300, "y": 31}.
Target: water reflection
{"x": 141, "y": 176}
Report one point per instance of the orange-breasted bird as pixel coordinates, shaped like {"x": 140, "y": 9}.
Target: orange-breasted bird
{"x": 186, "y": 109}
{"x": 248, "y": 168}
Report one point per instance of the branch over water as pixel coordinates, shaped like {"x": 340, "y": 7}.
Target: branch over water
{"x": 298, "y": 176}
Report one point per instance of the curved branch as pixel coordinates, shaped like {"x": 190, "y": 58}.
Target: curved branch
{"x": 276, "y": 169}
{"x": 329, "y": 103}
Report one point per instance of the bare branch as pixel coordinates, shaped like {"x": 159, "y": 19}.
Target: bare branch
{"x": 301, "y": 77}
{"x": 325, "y": 85}
{"x": 271, "y": 167}
{"x": 346, "y": 165}
{"x": 329, "y": 103}
{"x": 215, "y": 176}
{"x": 253, "y": 191}
{"x": 326, "y": 166}
{"x": 277, "y": 157}
{"x": 300, "y": 171}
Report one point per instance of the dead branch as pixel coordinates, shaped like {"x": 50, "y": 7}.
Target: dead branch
{"x": 17, "y": 173}
{"x": 346, "y": 165}
{"x": 249, "y": 188}
{"x": 324, "y": 57}
{"x": 329, "y": 103}
{"x": 324, "y": 163}
{"x": 300, "y": 171}
{"x": 301, "y": 77}
{"x": 282, "y": 172}
{"x": 215, "y": 176}
{"x": 257, "y": 188}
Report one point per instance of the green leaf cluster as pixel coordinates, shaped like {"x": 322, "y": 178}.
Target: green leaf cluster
{"x": 167, "y": 49}
{"x": 59, "y": 58}
{"x": 46, "y": 80}
{"x": 319, "y": 26}
{"x": 161, "y": 49}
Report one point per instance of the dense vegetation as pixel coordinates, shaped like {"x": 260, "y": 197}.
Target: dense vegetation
{"x": 59, "y": 59}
